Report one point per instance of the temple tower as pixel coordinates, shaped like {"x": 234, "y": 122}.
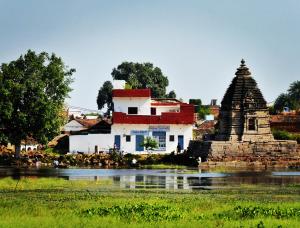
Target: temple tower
{"x": 244, "y": 115}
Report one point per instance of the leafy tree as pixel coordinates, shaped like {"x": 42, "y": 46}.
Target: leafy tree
{"x": 149, "y": 143}
{"x": 33, "y": 89}
{"x": 291, "y": 99}
{"x": 142, "y": 75}
{"x": 272, "y": 110}
{"x": 294, "y": 94}
{"x": 203, "y": 111}
{"x": 137, "y": 76}
{"x": 283, "y": 100}
{"x": 105, "y": 96}
{"x": 171, "y": 94}
{"x": 197, "y": 104}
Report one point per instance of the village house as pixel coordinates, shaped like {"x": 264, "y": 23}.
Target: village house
{"x": 136, "y": 115}
{"x": 78, "y": 124}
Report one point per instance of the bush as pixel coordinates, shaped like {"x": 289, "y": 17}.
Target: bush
{"x": 284, "y": 135}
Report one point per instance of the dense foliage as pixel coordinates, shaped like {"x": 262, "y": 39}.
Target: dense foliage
{"x": 197, "y": 104}
{"x": 33, "y": 89}
{"x": 105, "y": 96}
{"x": 291, "y": 99}
{"x": 284, "y": 135}
{"x": 137, "y": 76}
{"x": 149, "y": 143}
{"x": 203, "y": 111}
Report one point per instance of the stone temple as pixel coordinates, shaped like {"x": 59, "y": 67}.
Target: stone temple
{"x": 244, "y": 114}
{"x": 244, "y": 136}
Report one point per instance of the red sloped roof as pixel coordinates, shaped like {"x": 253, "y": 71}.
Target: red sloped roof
{"x": 87, "y": 123}
{"x": 131, "y": 93}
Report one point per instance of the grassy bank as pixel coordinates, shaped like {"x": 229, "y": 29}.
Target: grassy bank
{"x": 61, "y": 203}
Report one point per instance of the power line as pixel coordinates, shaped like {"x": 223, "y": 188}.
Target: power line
{"x": 85, "y": 109}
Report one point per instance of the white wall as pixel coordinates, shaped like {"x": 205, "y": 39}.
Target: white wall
{"x": 73, "y": 125}
{"x": 87, "y": 143}
{"x": 160, "y": 109}
{"x": 121, "y": 104}
{"x": 119, "y": 84}
{"x": 27, "y": 146}
{"x": 175, "y": 129}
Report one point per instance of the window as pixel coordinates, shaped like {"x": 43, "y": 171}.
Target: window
{"x": 160, "y": 137}
{"x": 132, "y": 110}
{"x": 128, "y": 138}
{"x": 171, "y": 138}
{"x": 153, "y": 111}
{"x": 251, "y": 124}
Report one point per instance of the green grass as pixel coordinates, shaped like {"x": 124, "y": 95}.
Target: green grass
{"x": 50, "y": 202}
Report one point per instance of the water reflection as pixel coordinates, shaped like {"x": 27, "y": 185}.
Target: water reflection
{"x": 171, "y": 179}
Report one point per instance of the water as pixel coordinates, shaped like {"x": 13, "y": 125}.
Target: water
{"x": 190, "y": 179}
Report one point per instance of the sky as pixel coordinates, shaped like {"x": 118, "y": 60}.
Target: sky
{"x": 198, "y": 44}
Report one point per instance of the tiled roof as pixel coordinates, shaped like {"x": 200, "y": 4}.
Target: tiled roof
{"x": 207, "y": 125}
{"x": 88, "y": 122}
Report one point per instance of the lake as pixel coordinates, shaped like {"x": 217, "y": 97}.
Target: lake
{"x": 188, "y": 179}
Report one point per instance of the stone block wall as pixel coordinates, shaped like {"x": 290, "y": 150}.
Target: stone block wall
{"x": 245, "y": 154}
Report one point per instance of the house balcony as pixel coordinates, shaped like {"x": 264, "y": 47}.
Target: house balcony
{"x": 185, "y": 116}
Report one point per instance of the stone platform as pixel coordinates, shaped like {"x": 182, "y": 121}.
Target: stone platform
{"x": 277, "y": 153}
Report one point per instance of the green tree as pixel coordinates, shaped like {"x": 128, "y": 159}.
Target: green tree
{"x": 203, "y": 111}
{"x": 105, "y": 96}
{"x": 149, "y": 143}
{"x": 142, "y": 75}
{"x": 33, "y": 89}
{"x": 171, "y": 94}
{"x": 197, "y": 104}
{"x": 294, "y": 94}
{"x": 283, "y": 100}
{"x": 137, "y": 76}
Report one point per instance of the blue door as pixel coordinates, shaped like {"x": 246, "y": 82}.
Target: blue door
{"x": 117, "y": 144}
{"x": 138, "y": 142}
{"x": 181, "y": 142}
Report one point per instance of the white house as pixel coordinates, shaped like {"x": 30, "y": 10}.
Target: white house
{"x": 79, "y": 125}
{"x": 137, "y": 115}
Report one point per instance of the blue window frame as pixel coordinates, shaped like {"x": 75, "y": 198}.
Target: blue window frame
{"x": 160, "y": 137}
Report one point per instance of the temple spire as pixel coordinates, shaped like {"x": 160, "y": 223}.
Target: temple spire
{"x": 243, "y": 63}
{"x": 243, "y": 70}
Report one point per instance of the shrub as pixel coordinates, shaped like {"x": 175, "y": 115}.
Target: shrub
{"x": 137, "y": 212}
{"x": 284, "y": 135}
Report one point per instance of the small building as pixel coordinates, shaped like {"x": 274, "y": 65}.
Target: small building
{"x": 29, "y": 144}
{"x": 79, "y": 125}
{"x": 95, "y": 139}
{"x": 286, "y": 122}
{"x": 136, "y": 115}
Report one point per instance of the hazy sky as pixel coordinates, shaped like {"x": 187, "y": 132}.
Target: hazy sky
{"x": 197, "y": 44}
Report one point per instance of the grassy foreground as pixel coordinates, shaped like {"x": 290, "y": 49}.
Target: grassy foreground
{"x": 48, "y": 202}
